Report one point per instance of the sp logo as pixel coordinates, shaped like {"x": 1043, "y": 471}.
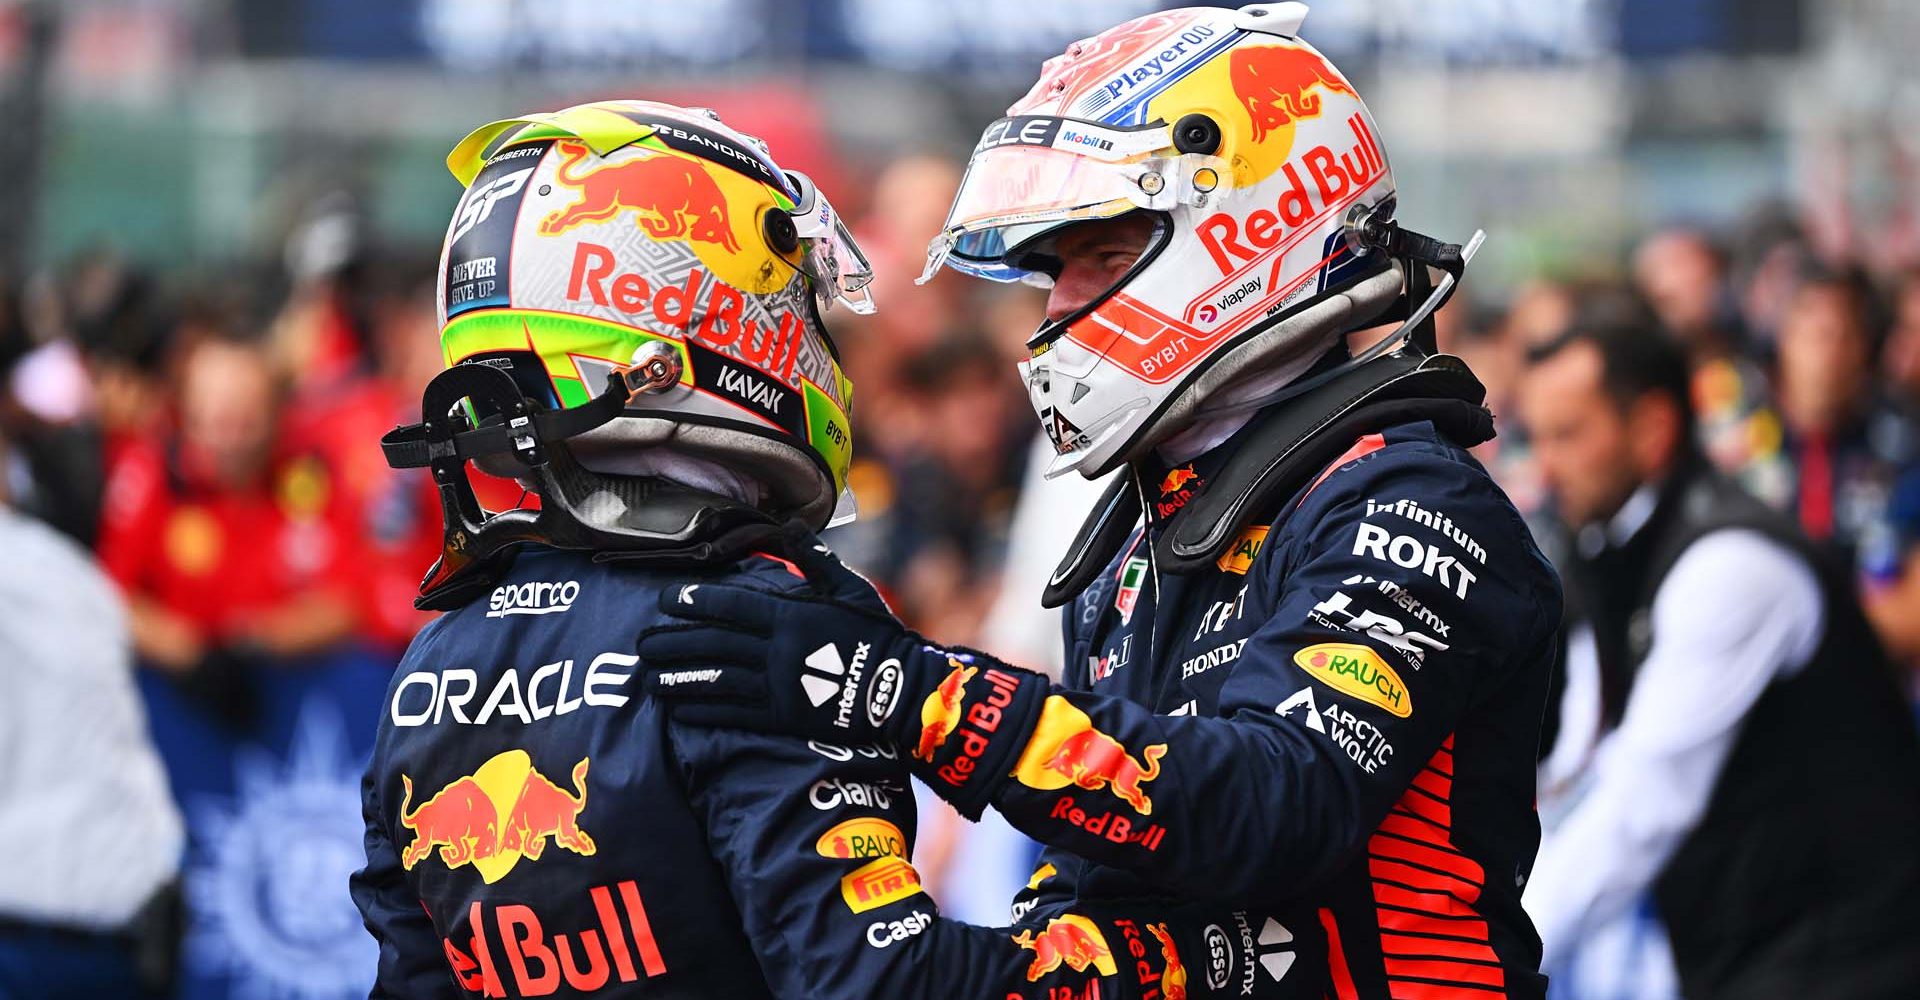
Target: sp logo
{"x": 480, "y": 201}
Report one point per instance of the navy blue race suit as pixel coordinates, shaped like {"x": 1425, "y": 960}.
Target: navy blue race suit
{"x": 1336, "y": 722}
{"x": 1341, "y": 719}
{"x": 537, "y": 826}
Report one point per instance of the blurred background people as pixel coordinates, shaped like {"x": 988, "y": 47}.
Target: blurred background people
{"x": 88, "y": 906}
{"x": 1729, "y": 734}
{"x": 229, "y": 547}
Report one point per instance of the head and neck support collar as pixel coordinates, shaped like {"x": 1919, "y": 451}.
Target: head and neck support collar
{"x": 618, "y": 518}
{"x": 1400, "y": 380}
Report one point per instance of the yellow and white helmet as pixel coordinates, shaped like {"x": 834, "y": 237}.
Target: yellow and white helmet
{"x": 619, "y": 235}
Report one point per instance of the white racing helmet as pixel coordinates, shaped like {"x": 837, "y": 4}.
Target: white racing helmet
{"x": 1272, "y": 197}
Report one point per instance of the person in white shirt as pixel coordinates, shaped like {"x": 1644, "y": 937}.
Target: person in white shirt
{"x": 93, "y": 839}
{"x": 1721, "y": 702}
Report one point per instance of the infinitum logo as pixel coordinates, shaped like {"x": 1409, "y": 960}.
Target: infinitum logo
{"x": 532, "y": 598}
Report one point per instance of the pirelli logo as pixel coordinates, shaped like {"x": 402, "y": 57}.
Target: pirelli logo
{"x": 879, "y": 882}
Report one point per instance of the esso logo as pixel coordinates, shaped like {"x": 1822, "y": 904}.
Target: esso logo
{"x": 843, "y": 754}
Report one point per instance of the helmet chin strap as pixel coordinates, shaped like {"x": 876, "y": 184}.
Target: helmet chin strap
{"x": 1420, "y": 252}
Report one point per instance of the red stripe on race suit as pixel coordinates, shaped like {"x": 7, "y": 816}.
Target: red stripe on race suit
{"x": 1426, "y": 807}
{"x": 1434, "y": 783}
{"x": 1337, "y": 959}
{"x": 1439, "y": 904}
{"x": 1448, "y": 861}
{"x": 1413, "y": 877}
{"x": 1453, "y": 972}
{"x": 1435, "y": 947}
{"x": 1412, "y": 872}
{"x": 1401, "y": 989}
{"x": 1426, "y": 923}
{"x": 1367, "y": 445}
{"x": 1413, "y": 828}
{"x": 791, "y": 568}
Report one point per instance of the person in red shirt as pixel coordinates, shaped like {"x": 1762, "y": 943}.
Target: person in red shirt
{"x": 231, "y": 549}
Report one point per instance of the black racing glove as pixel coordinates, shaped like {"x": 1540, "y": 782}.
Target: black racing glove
{"x": 828, "y": 662}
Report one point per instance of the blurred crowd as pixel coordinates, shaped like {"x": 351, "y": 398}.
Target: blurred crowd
{"x": 210, "y": 438}
{"x": 1805, "y": 382}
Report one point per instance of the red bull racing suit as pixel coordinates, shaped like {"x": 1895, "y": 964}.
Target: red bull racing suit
{"x": 1346, "y": 715}
{"x": 537, "y": 826}
{"x": 1330, "y": 731}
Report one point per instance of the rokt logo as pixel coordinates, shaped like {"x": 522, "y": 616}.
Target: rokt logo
{"x": 532, "y": 598}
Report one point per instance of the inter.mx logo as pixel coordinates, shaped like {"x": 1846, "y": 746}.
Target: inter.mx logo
{"x": 1272, "y": 949}
{"x": 832, "y": 677}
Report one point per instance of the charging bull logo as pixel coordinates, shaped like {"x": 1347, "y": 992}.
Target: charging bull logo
{"x": 1275, "y": 83}
{"x": 1066, "y": 749}
{"x": 941, "y": 711}
{"x": 672, "y": 196}
{"x": 1173, "y": 978}
{"x": 1072, "y": 941}
{"x": 1178, "y": 478}
{"x": 464, "y": 818}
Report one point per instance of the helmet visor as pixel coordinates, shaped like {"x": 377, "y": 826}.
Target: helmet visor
{"x": 1029, "y": 173}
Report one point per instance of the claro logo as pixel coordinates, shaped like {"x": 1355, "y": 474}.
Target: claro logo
{"x": 532, "y": 598}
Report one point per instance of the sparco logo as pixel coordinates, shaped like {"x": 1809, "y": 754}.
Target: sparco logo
{"x": 532, "y": 598}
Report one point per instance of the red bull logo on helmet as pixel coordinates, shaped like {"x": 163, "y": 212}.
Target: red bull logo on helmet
{"x": 492, "y": 818}
{"x": 1073, "y": 941}
{"x": 672, "y": 197}
{"x": 1277, "y": 85}
{"x": 1066, "y": 749}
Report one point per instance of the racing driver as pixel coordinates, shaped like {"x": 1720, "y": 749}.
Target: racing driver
{"x": 1308, "y": 638}
{"x": 630, "y": 309}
